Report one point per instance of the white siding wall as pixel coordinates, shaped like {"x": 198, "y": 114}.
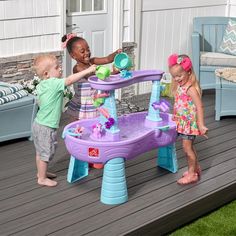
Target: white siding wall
{"x": 166, "y": 27}
{"x": 30, "y": 26}
{"x": 232, "y": 8}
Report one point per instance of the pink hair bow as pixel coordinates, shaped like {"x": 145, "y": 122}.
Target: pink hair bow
{"x": 185, "y": 62}
{"x": 68, "y": 37}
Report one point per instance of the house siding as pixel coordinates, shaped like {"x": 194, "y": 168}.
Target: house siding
{"x": 166, "y": 27}
{"x": 28, "y": 28}
{"x": 232, "y": 8}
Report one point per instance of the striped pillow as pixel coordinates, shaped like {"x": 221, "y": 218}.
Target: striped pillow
{"x": 228, "y": 44}
{"x": 13, "y": 97}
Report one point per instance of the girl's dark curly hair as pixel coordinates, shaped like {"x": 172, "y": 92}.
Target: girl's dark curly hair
{"x": 70, "y": 43}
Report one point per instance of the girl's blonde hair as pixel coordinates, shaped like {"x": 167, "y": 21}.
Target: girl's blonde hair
{"x": 192, "y": 77}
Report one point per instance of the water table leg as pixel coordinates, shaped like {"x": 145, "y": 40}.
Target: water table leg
{"x": 114, "y": 188}
{"x": 154, "y": 115}
{"x": 166, "y": 158}
{"x": 77, "y": 170}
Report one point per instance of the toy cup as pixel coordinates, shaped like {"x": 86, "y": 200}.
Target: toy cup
{"x": 98, "y": 102}
{"x": 122, "y": 61}
{"x": 102, "y": 72}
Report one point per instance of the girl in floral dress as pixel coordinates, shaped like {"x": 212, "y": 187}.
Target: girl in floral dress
{"x": 188, "y": 112}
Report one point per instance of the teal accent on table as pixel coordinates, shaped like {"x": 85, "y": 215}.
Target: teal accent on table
{"x": 110, "y": 105}
{"x": 114, "y": 188}
{"x": 77, "y": 170}
{"x": 154, "y": 115}
{"x": 166, "y": 158}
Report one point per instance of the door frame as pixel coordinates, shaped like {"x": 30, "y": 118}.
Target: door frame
{"x": 117, "y": 35}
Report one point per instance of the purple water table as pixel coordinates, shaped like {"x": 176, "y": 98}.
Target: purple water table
{"x": 129, "y": 136}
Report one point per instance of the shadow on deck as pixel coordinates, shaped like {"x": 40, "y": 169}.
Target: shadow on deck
{"x": 156, "y": 205}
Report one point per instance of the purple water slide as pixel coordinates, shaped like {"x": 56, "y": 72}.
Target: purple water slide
{"x": 116, "y": 81}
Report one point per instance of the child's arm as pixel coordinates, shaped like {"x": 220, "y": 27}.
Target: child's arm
{"x": 193, "y": 93}
{"x": 105, "y": 60}
{"x": 80, "y": 75}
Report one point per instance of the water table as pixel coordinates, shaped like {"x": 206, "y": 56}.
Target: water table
{"x": 112, "y": 140}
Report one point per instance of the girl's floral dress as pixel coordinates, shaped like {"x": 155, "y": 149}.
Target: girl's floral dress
{"x": 185, "y": 113}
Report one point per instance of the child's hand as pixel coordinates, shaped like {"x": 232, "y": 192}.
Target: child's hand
{"x": 203, "y": 129}
{"x": 92, "y": 69}
{"x": 115, "y": 70}
{"x": 118, "y": 51}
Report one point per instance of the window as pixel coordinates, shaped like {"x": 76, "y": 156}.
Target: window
{"x": 86, "y": 6}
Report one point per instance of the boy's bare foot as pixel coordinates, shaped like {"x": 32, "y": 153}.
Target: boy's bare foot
{"x": 47, "y": 182}
{"x": 50, "y": 175}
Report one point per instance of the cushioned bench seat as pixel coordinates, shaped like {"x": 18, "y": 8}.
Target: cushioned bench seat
{"x": 16, "y": 118}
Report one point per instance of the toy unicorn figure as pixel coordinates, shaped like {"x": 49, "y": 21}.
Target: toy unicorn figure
{"x": 97, "y": 130}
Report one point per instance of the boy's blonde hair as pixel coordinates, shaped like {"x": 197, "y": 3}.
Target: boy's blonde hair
{"x": 192, "y": 77}
{"x": 42, "y": 63}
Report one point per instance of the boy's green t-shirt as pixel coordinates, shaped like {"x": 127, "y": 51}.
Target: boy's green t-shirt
{"x": 50, "y": 95}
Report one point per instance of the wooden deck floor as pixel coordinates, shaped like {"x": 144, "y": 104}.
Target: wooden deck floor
{"x": 156, "y": 205}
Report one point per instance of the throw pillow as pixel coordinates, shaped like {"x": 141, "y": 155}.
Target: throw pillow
{"x": 228, "y": 44}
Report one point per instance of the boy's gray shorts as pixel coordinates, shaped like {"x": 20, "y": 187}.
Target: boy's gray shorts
{"x": 45, "y": 140}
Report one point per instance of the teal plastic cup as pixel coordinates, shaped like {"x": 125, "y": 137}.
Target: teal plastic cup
{"x": 122, "y": 61}
{"x": 102, "y": 72}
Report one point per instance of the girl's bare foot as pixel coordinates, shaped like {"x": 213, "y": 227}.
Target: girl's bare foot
{"x": 199, "y": 172}
{"x": 188, "y": 179}
{"x": 47, "y": 182}
{"x": 50, "y": 175}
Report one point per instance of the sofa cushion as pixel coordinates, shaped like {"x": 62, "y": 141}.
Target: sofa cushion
{"x": 228, "y": 44}
{"x": 217, "y": 59}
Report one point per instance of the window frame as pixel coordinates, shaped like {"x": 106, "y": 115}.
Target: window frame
{"x": 69, "y": 13}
